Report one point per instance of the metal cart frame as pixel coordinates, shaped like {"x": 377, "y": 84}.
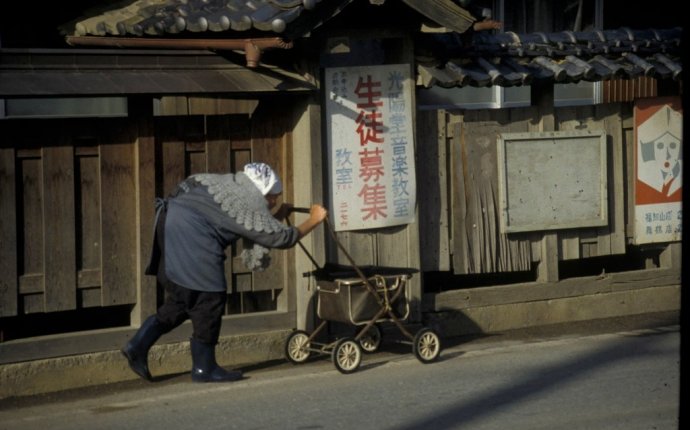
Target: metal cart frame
{"x": 363, "y": 297}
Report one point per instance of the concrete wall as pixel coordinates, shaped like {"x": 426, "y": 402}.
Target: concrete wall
{"x": 483, "y": 310}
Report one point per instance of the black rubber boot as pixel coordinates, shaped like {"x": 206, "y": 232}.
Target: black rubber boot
{"x": 137, "y": 349}
{"x": 205, "y": 368}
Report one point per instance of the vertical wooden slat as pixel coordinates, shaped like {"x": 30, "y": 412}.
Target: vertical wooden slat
{"x": 391, "y": 249}
{"x": 629, "y": 148}
{"x": 33, "y": 303}
{"x": 172, "y": 153}
{"x": 605, "y": 90}
{"x": 196, "y": 162}
{"x": 241, "y": 153}
{"x": 307, "y": 168}
{"x": 89, "y": 205}
{"x": 218, "y": 160}
{"x": 240, "y": 134}
{"x": 146, "y": 193}
{"x": 8, "y": 233}
{"x": 32, "y": 216}
{"x": 627, "y": 90}
{"x": 31, "y": 265}
{"x": 218, "y": 144}
{"x": 478, "y": 242}
{"x": 361, "y": 246}
{"x": 193, "y": 134}
{"x": 60, "y": 253}
{"x": 476, "y": 140}
{"x": 461, "y": 241}
{"x": 118, "y": 228}
{"x": 610, "y": 116}
{"x": 432, "y": 197}
{"x": 270, "y": 140}
{"x": 88, "y": 224}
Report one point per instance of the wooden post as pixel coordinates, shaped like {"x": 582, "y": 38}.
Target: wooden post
{"x": 8, "y": 235}
{"x": 307, "y": 177}
{"x": 671, "y": 256}
{"x": 542, "y": 95}
{"x": 145, "y": 186}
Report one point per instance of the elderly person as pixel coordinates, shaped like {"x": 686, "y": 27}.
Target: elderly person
{"x": 203, "y": 216}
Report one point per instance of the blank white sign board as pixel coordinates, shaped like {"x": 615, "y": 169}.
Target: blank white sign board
{"x": 552, "y": 180}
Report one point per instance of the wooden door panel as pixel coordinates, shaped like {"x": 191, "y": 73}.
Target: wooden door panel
{"x": 118, "y": 220}
{"x": 59, "y": 228}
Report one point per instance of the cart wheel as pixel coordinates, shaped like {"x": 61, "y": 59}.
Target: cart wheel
{"x": 347, "y": 355}
{"x": 426, "y": 345}
{"x": 297, "y": 347}
{"x": 371, "y": 341}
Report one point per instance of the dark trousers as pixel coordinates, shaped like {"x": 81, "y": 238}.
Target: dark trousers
{"x": 204, "y": 309}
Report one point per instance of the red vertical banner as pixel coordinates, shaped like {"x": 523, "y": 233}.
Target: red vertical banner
{"x": 370, "y": 146}
{"x": 658, "y": 170}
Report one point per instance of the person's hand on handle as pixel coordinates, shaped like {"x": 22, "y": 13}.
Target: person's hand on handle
{"x": 317, "y": 214}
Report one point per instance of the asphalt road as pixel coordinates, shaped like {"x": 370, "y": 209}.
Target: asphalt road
{"x": 615, "y": 374}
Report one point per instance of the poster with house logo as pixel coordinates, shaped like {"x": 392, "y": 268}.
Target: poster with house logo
{"x": 659, "y": 169}
{"x": 370, "y": 146}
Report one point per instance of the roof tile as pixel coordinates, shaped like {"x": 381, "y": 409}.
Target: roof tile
{"x": 446, "y": 59}
{"x": 161, "y": 17}
{"x": 563, "y": 57}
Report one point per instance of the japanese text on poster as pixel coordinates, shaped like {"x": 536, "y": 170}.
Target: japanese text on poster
{"x": 371, "y": 148}
{"x": 658, "y": 161}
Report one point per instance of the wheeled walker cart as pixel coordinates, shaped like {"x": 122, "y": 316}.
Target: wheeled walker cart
{"x": 364, "y": 297}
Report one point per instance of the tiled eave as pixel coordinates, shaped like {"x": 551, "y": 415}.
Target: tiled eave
{"x": 172, "y": 17}
{"x": 509, "y": 59}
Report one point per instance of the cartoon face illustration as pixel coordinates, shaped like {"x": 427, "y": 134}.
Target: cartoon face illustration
{"x": 667, "y": 153}
{"x": 660, "y": 156}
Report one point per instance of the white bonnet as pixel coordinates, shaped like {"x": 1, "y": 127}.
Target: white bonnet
{"x": 264, "y": 178}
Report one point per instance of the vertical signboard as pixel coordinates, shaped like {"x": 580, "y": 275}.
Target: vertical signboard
{"x": 370, "y": 146}
{"x": 658, "y": 168}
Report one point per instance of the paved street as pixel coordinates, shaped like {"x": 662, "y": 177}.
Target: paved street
{"x": 615, "y": 378}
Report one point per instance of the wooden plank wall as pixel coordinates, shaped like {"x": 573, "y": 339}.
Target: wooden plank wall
{"x": 76, "y": 204}
{"x": 270, "y": 143}
{"x": 477, "y": 244}
{"x": 66, "y": 191}
{"x": 432, "y": 183}
{"x": 479, "y": 247}
{"x": 222, "y": 144}
{"x": 118, "y": 217}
